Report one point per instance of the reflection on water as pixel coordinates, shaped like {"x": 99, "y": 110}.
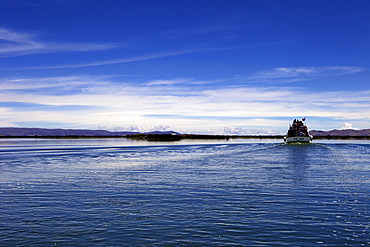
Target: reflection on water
{"x": 111, "y": 192}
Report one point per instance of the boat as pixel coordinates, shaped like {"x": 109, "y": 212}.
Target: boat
{"x": 298, "y": 132}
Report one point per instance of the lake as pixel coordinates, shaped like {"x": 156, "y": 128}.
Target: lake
{"x": 119, "y": 192}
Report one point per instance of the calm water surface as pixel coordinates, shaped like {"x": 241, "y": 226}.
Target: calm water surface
{"x": 115, "y": 192}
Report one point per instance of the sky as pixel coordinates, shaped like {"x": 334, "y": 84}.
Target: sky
{"x": 194, "y": 66}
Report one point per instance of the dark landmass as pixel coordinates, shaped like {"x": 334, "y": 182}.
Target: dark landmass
{"x": 178, "y": 137}
{"x": 27, "y": 132}
{"x": 151, "y": 136}
{"x": 156, "y": 137}
{"x": 344, "y": 132}
{"x": 164, "y": 135}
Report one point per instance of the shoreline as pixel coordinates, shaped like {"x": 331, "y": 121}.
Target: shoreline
{"x": 169, "y": 137}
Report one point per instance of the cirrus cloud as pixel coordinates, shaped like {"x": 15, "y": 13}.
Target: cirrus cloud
{"x": 18, "y": 43}
{"x": 294, "y": 74}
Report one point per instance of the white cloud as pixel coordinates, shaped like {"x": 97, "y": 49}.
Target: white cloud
{"x": 293, "y": 74}
{"x": 182, "y": 108}
{"x": 132, "y": 128}
{"x": 266, "y": 132}
{"x": 186, "y": 81}
{"x": 168, "y": 82}
{"x": 230, "y": 130}
{"x": 17, "y": 43}
{"x": 116, "y": 61}
{"x": 348, "y": 126}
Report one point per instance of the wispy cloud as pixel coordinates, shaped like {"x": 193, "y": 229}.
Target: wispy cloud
{"x": 14, "y": 43}
{"x": 46, "y": 84}
{"x": 168, "y": 82}
{"x": 101, "y": 102}
{"x": 221, "y": 27}
{"x": 131, "y": 59}
{"x": 17, "y": 43}
{"x": 293, "y": 74}
{"x": 115, "y": 61}
{"x": 186, "y": 81}
{"x": 146, "y": 57}
{"x": 203, "y": 30}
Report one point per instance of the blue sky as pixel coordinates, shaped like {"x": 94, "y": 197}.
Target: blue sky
{"x": 205, "y": 66}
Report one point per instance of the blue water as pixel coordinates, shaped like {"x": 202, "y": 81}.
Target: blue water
{"x": 115, "y": 192}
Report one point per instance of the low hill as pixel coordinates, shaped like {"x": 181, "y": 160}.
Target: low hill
{"x": 30, "y": 132}
{"x": 58, "y": 132}
{"x": 343, "y": 132}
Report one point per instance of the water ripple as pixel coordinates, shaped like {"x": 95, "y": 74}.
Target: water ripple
{"x": 227, "y": 194}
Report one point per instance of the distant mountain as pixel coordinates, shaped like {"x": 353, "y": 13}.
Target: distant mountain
{"x": 343, "y": 132}
{"x": 59, "y": 132}
{"x": 27, "y": 132}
